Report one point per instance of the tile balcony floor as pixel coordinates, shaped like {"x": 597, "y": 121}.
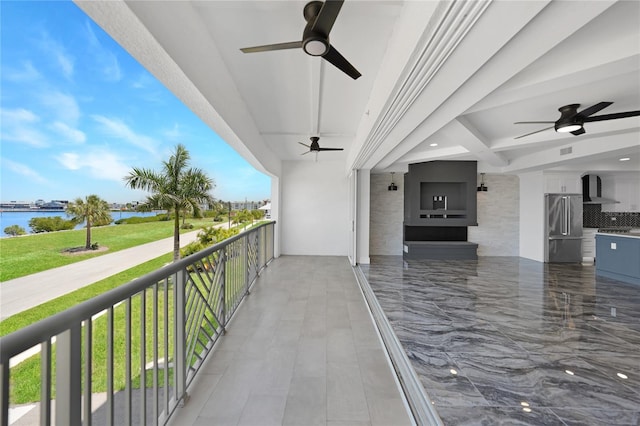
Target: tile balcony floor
{"x": 505, "y": 340}
{"x": 302, "y": 349}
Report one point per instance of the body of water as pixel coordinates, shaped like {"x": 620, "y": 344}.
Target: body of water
{"x": 22, "y": 218}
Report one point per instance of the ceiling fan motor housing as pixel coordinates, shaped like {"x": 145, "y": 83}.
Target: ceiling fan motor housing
{"x": 314, "y": 43}
{"x": 569, "y": 120}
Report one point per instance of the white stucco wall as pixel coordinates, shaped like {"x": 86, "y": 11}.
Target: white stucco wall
{"x": 314, "y": 208}
{"x": 497, "y": 233}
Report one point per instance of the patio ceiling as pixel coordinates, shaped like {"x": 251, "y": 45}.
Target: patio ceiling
{"x": 458, "y": 74}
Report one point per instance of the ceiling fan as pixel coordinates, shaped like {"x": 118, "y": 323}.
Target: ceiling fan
{"x": 315, "y": 147}
{"x": 320, "y": 17}
{"x": 572, "y": 121}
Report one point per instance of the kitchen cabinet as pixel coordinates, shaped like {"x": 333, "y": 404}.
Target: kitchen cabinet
{"x": 589, "y": 244}
{"x": 557, "y": 182}
{"x": 618, "y": 256}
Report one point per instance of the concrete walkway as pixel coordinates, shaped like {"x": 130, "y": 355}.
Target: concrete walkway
{"x": 32, "y": 290}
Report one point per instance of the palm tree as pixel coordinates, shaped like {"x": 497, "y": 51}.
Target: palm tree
{"x": 176, "y": 188}
{"x": 93, "y": 210}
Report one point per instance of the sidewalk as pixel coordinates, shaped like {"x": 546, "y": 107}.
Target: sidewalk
{"x": 26, "y": 292}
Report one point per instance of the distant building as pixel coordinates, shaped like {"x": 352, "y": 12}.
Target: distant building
{"x": 13, "y": 205}
{"x": 53, "y": 205}
{"x": 249, "y": 205}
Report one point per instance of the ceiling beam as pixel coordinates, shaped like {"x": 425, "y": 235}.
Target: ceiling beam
{"x": 483, "y": 62}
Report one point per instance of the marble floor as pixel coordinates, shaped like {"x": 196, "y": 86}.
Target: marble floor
{"x": 506, "y": 340}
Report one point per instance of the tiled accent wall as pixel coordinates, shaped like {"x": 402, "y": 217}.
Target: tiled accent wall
{"x": 497, "y": 233}
{"x": 594, "y": 217}
{"x": 386, "y": 215}
{"x": 498, "y": 216}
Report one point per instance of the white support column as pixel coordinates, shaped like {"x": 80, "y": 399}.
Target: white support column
{"x": 276, "y": 190}
{"x": 532, "y": 217}
{"x": 363, "y": 208}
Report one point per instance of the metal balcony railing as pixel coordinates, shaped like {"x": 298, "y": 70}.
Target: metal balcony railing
{"x": 138, "y": 346}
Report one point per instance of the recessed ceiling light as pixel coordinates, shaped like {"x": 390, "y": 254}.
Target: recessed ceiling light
{"x": 526, "y": 409}
{"x": 524, "y": 404}
{"x": 569, "y": 372}
{"x": 433, "y": 144}
{"x": 625, "y": 159}
{"x": 622, "y": 376}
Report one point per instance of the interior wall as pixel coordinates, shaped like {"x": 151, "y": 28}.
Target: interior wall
{"x": 386, "y": 215}
{"x": 314, "y": 208}
{"x": 532, "y": 216}
{"x": 497, "y": 233}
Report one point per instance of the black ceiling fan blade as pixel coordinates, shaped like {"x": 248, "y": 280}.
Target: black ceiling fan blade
{"x": 327, "y": 16}
{"x": 270, "y": 47}
{"x": 339, "y": 61}
{"x": 534, "y": 122}
{"x": 305, "y": 153}
{"x": 593, "y": 109}
{"x": 578, "y": 132}
{"x": 304, "y": 144}
{"x": 612, "y": 116}
{"x": 533, "y": 133}
{"x": 330, "y": 149}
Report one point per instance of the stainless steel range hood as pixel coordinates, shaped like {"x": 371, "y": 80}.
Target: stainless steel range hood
{"x": 592, "y": 191}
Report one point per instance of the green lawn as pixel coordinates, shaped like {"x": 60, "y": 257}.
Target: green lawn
{"x": 29, "y": 254}
{"x": 25, "y": 378}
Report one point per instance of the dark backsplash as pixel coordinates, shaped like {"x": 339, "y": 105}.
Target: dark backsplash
{"x": 594, "y": 217}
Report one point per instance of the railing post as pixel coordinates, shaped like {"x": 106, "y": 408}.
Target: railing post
{"x": 245, "y": 244}
{"x": 68, "y": 376}
{"x": 225, "y": 258}
{"x": 180, "y": 367}
{"x": 4, "y": 391}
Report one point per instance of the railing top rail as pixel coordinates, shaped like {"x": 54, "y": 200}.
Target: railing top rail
{"x": 31, "y": 335}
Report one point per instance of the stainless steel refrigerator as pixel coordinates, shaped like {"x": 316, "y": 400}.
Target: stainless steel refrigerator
{"x": 563, "y": 228}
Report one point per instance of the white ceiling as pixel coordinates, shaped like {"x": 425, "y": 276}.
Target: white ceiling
{"x": 458, "y": 74}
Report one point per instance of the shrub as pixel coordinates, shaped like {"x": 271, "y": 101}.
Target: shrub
{"x": 50, "y": 224}
{"x": 186, "y": 226}
{"x": 207, "y": 237}
{"x": 14, "y": 230}
{"x": 95, "y": 246}
{"x": 142, "y": 219}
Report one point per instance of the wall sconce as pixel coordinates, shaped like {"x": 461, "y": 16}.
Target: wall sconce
{"x": 393, "y": 186}
{"x": 482, "y": 188}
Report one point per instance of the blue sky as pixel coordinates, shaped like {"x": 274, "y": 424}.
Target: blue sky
{"x": 78, "y": 112}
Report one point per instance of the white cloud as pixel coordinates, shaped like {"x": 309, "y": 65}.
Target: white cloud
{"x": 120, "y": 130}
{"x": 58, "y": 53}
{"x": 99, "y": 164}
{"x": 18, "y": 126}
{"x": 18, "y": 115}
{"x": 174, "y": 134}
{"x": 28, "y": 73}
{"x": 69, "y": 160}
{"x": 23, "y": 170}
{"x": 106, "y": 60}
{"x": 64, "y": 107}
{"x": 69, "y": 133}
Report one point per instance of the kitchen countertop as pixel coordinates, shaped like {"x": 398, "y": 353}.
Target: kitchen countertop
{"x": 632, "y": 233}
